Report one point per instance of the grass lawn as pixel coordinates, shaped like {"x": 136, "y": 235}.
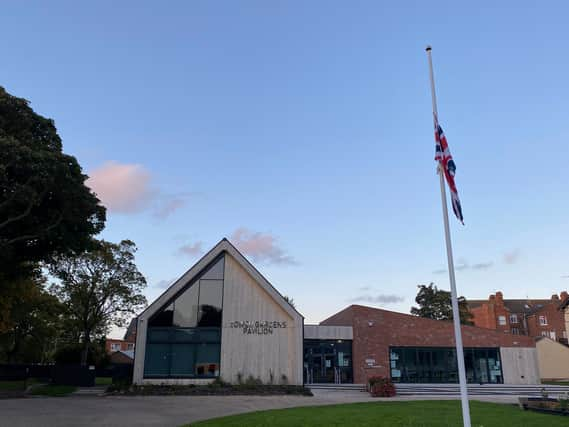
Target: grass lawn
{"x": 53, "y": 390}
{"x": 103, "y": 380}
{"x": 556, "y": 382}
{"x": 393, "y": 414}
{"x": 12, "y": 385}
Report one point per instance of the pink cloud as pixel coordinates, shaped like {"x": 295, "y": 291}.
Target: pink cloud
{"x": 261, "y": 247}
{"x": 123, "y": 188}
{"x": 191, "y": 249}
{"x": 128, "y": 188}
{"x": 512, "y": 257}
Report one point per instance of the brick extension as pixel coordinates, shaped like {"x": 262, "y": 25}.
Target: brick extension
{"x": 375, "y": 330}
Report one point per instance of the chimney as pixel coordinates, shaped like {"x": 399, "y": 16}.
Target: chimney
{"x": 564, "y": 295}
{"x": 554, "y": 297}
{"x": 492, "y": 298}
{"x": 499, "y": 298}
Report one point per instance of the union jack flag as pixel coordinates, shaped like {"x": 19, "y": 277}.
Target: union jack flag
{"x": 443, "y": 156}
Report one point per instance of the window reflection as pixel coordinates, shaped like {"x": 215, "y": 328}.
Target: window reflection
{"x": 439, "y": 365}
{"x": 183, "y": 339}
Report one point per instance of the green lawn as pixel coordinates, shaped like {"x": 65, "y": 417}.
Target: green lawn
{"x": 16, "y": 385}
{"x": 12, "y": 385}
{"x": 103, "y": 380}
{"x": 393, "y": 414}
{"x": 53, "y": 390}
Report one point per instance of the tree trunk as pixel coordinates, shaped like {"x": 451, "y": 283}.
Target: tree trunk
{"x": 85, "y": 351}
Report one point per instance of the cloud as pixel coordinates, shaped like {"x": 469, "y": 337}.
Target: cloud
{"x": 163, "y": 284}
{"x": 123, "y": 188}
{"x": 261, "y": 247}
{"x": 512, "y": 257}
{"x": 128, "y": 189}
{"x": 170, "y": 206}
{"x": 379, "y": 299}
{"x": 483, "y": 265}
{"x": 191, "y": 249}
{"x": 462, "y": 265}
{"x": 566, "y": 276}
{"x": 364, "y": 288}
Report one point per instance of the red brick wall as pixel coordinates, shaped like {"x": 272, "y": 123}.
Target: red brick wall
{"x": 555, "y": 321}
{"x": 123, "y": 343}
{"x": 484, "y": 316}
{"x": 376, "y": 330}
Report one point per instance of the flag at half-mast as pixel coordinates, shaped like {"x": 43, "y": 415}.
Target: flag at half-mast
{"x": 443, "y": 156}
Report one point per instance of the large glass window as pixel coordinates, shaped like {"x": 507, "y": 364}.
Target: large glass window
{"x": 184, "y": 338}
{"x": 439, "y": 365}
{"x": 328, "y": 361}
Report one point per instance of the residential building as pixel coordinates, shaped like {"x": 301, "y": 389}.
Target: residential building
{"x": 126, "y": 344}
{"x": 531, "y": 317}
{"x": 112, "y": 345}
{"x": 122, "y": 357}
{"x": 223, "y": 319}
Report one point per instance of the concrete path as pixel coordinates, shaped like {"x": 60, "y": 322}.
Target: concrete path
{"x": 169, "y": 410}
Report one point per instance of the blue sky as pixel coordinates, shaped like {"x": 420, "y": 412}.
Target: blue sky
{"x": 304, "y": 130}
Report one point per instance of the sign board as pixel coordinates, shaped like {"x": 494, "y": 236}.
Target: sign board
{"x": 257, "y": 327}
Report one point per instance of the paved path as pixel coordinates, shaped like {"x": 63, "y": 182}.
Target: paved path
{"x": 168, "y": 410}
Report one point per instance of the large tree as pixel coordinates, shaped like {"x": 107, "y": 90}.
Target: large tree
{"x": 31, "y": 329}
{"x": 45, "y": 206}
{"x": 99, "y": 288}
{"x": 436, "y": 304}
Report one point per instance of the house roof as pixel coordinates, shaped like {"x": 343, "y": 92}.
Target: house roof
{"x": 224, "y": 246}
{"x": 525, "y": 306}
{"x": 131, "y": 329}
{"x": 127, "y": 353}
{"x": 399, "y": 325}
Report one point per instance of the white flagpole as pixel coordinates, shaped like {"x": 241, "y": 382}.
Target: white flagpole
{"x": 454, "y": 298}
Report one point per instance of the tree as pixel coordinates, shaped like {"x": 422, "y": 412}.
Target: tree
{"x": 45, "y": 206}
{"x": 436, "y": 304}
{"x": 99, "y": 288}
{"x": 32, "y": 327}
{"x": 290, "y": 301}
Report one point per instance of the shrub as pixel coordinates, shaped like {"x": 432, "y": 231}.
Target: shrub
{"x": 564, "y": 401}
{"x": 252, "y": 381}
{"x": 381, "y": 387}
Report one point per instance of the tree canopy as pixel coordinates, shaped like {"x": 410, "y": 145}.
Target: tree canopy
{"x": 45, "y": 206}
{"x": 99, "y": 288}
{"x": 436, "y": 304}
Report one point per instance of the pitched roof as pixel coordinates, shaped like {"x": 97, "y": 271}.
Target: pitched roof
{"x": 224, "y": 246}
{"x": 131, "y": 329}
{"x": 525, "y": 306}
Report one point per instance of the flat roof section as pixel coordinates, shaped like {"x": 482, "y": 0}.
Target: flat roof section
{"x": 321, "y": 332}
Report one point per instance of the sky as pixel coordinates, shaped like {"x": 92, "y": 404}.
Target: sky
{"x": 302, "y": 131}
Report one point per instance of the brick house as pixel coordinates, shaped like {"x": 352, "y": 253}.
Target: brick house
{"x": 531, "y": 317}
{"x": 126, "y": 344}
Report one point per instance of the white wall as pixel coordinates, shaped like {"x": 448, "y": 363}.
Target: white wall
{"x": 251, "y": 354}
{"x": 519, "y": 365}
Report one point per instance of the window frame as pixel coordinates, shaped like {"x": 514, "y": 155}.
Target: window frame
{"x": 542, "y": 320}
{"x": 514, "y": 318}
{"x": 169, "y": 339}
{"x": 505, "y": 321}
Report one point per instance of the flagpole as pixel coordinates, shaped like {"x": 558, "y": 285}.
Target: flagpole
{"x": 454, "y": 298}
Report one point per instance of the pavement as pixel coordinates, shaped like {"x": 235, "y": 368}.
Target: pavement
{"x": 126, "y": 411}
